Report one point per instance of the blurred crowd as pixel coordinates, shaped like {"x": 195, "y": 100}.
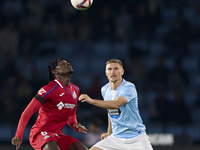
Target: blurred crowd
{"x": 157, "y": 40}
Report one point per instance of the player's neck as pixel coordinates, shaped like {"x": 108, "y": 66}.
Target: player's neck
{"x": 115, "y": 85}
{"x": 64, "y": 81}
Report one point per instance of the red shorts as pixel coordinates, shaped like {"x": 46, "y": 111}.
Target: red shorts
{"x": 37, "y": 140}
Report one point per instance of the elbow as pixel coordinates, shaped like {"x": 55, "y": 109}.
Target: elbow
{"x": 25, "y": 116}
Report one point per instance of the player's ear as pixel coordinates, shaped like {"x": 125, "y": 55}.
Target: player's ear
{"x": 106, "y": 72}
{"x": 122, "y": 71}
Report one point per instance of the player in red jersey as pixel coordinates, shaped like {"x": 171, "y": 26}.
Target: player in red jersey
{"x": 57, "y": 103}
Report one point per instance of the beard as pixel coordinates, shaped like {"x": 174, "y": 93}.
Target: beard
{"x": 114, "y": 81}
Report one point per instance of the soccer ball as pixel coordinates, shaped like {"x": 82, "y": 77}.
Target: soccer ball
{"x": 81, "y": 4}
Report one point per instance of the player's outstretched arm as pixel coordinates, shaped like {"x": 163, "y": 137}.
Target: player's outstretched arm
{"x": 111, "y": 104}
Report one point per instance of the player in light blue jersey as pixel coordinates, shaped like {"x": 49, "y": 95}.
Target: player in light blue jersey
{"x": 126, "y": 130}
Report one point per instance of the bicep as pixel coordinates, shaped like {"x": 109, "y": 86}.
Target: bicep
{"x": 121, "y": 101}
{"x": 33, "y": 106}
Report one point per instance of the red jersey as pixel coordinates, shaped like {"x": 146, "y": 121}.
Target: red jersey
{"x": 59, "y": 107}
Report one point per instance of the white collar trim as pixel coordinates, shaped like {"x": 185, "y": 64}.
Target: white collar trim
{"x": 58, "y": 83}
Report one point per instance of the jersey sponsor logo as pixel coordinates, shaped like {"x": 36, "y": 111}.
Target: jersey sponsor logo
{"x": 62, "y": 94}
{"x": 114, "y": 113}
{"x": 41, "y": 91}
{"x": 74, "y": 95}
{"x": 61, "y": 105}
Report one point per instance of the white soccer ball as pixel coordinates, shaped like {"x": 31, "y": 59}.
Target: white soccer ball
{"x": 81, "y": 4}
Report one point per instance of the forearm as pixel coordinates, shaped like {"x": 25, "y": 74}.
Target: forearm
{"x": 22, "y": 125}
{"x": 33, "y": 106}
{"x": 109, "y": 130}
{"x": 108, "y": 104}
{"x": 105, "y": 104}
{"x": 73, "y": 119}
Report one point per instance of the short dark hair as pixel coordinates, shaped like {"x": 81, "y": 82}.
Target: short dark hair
{"x": 52, "y": 67}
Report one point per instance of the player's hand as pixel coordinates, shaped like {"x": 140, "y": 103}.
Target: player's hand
{"x": 104, "y": 135}
{"x": 16, "y": 141}
{"x": 81, "y": 129}
{"x": 85, "y": 98}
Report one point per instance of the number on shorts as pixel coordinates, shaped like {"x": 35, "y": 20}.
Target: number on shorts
{"x": 44, "y": 133}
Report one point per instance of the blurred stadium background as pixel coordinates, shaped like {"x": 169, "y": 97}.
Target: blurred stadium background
{"x": 157, "y": 40}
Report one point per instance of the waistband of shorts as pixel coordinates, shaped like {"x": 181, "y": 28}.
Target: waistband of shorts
{"x": 141, "y": 136}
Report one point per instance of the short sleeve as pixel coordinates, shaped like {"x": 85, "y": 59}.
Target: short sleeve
{"x": 103, "y": 90}
{"x": 129, "y": 92}
{"x": 44, "y": 93}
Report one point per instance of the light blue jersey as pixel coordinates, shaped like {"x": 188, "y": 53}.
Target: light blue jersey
{"x": 126, "y": 121}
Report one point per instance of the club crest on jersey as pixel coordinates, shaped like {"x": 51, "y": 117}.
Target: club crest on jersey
{"x": 41, "y": 91}
{"x": 74, "y": 95}
{"x": 61, "y": 105}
